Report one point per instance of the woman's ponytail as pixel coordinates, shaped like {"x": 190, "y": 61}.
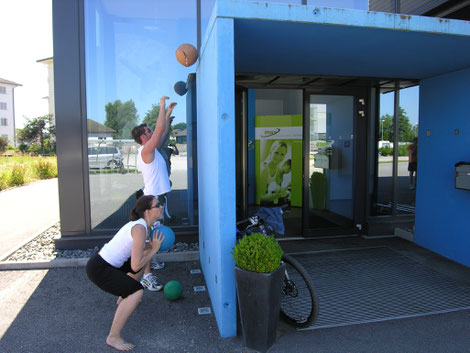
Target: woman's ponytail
{"x": 143, "y": 204}
{"x": 134, "y": 215}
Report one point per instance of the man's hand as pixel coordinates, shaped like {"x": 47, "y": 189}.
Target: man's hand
{"x": 162, "y": 100}
{"x": 170, "y": 109}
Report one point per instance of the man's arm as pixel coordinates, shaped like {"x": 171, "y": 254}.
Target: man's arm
{"x": 148, "y": 152}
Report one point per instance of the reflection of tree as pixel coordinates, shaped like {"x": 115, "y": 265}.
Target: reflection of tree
{"x": 179, "y": 126}
{"x": 151, "y": 116}
{"x": 121, "y": 117}
{"x": 406, "y": 131}
{"x": 151, "y": 119}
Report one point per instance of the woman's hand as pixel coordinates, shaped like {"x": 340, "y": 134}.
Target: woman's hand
{"x": 156, "y": 241}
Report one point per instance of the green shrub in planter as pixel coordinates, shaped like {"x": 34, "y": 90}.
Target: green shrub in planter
{"x": 258, "y": 253}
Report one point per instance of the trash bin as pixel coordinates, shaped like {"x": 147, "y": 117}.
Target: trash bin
{"x": 462, "y": 175}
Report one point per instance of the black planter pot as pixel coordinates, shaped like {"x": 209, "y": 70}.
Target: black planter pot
{"x": 259, "y": 300}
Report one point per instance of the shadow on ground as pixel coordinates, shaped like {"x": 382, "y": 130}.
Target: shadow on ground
{"x": 67, "y": 313}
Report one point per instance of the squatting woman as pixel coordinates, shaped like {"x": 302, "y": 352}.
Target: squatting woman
{"x": 118, "y": 266}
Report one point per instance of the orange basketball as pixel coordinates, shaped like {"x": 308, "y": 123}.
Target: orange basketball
{"x": 186, "y": 54}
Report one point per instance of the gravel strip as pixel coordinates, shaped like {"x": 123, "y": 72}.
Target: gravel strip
{"x": 42, "y": 248}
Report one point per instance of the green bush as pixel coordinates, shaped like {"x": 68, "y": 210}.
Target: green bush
{"x": 3, "y": 143}
{"x": 17, "y": 175}
{"x": 44, "y": 169}
{"x": 10, "y": 148}
{"x": 34, "y": 149}
{"x": 3, "y": 181}
{"x": 403, "y": 150}
{"x": 386, "y": 151}
{"x": 258, "y": 253}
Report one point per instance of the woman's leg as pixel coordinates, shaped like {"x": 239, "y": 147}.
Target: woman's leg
{"x": 124, "y": 310}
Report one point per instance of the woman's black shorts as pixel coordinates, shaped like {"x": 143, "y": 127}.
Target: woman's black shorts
{"x": 112, "y": 279}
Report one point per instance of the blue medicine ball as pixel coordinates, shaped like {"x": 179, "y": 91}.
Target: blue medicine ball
{"x": 169, "y": 235}
{"x": 180, "y": 88}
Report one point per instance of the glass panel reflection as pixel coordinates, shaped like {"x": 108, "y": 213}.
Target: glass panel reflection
{"x": 407, "y": 151}
{"x": 331, "y": 161}
{"x": 130, "y": 63}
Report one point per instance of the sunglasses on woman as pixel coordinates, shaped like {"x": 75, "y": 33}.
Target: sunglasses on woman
{"x": 157, "y": 205}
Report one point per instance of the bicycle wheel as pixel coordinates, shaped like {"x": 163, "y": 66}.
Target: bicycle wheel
{"x": 299, "y": 304}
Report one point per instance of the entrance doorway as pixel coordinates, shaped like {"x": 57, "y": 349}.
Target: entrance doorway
{"x": 306, "y": 147}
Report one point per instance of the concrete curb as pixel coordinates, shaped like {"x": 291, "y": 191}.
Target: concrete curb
{"x": 81, "y": 262}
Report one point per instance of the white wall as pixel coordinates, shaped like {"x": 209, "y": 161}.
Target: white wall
{"x": 9, "y": 130}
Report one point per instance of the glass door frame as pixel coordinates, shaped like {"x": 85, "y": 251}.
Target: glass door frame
{"x": 361, "y": 117}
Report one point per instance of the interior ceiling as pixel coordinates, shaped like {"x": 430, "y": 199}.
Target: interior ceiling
{"x": 286, "y": 47}
{"x": 317, "y": 83}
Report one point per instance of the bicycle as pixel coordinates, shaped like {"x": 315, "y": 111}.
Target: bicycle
{"x": 299, "y": 303}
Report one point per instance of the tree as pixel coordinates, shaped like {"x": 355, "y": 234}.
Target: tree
{"x": 179, "y": 126}
{"x": 406, "y": 131}
{"x": 151, "y": 116}
{"x": 37, "y": 130}
{"x": 121, "y": 117}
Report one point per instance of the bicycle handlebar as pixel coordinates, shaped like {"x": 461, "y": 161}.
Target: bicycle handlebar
{"x": 249, "y": 219}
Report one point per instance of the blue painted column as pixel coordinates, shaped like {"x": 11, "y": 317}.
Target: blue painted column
{"x": 216, "y": 170}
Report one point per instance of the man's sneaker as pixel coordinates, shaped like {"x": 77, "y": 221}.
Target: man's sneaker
{"x": 155, "y": 265}
{"x": 151, "y": 283}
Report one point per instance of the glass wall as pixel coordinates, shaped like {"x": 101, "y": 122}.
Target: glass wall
{"x": 331, "y": 166}
{"x": 407, "y": 153}
{"x": 384, "y": 158}
{"x": 407, "y": 150}
{"x": 130, "y": 63}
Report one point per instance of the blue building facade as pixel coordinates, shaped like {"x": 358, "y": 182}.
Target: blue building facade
{"x": 328, "y": 66}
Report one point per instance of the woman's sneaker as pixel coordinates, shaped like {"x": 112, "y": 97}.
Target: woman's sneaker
{"x": 155, "y": 265}
{"x": 150, "y": 282}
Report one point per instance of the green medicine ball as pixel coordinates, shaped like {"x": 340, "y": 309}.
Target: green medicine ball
{"x": 172, "y": 290}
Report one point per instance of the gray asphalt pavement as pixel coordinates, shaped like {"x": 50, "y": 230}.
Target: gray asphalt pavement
{"x": 60, "y": 310}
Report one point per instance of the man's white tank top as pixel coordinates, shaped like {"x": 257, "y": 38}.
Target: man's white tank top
{"x": 119, "y": 249}
{"x": 156, "y": 180}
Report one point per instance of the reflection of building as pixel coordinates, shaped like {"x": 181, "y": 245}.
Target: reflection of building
{"x": 99, "y": 131}
{"x": 180, "y": 136}
{"x": 243, "y": 73}
{"x": 7, "y": 110}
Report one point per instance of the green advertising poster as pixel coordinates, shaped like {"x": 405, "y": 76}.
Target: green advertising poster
{"x": 278, "y": 159}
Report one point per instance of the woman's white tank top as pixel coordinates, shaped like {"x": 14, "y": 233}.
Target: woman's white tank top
{"x": 119, "y": 249}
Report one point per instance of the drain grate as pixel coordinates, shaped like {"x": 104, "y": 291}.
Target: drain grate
{"x": 370, "y": 285}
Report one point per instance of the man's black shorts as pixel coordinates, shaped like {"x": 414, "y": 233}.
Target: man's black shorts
{"x": 412, "y": 166}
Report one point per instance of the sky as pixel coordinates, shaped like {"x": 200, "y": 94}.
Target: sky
{"x": 26, "y": 27}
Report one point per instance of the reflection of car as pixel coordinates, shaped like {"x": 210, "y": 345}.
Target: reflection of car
{"x": 104, "y": 157}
